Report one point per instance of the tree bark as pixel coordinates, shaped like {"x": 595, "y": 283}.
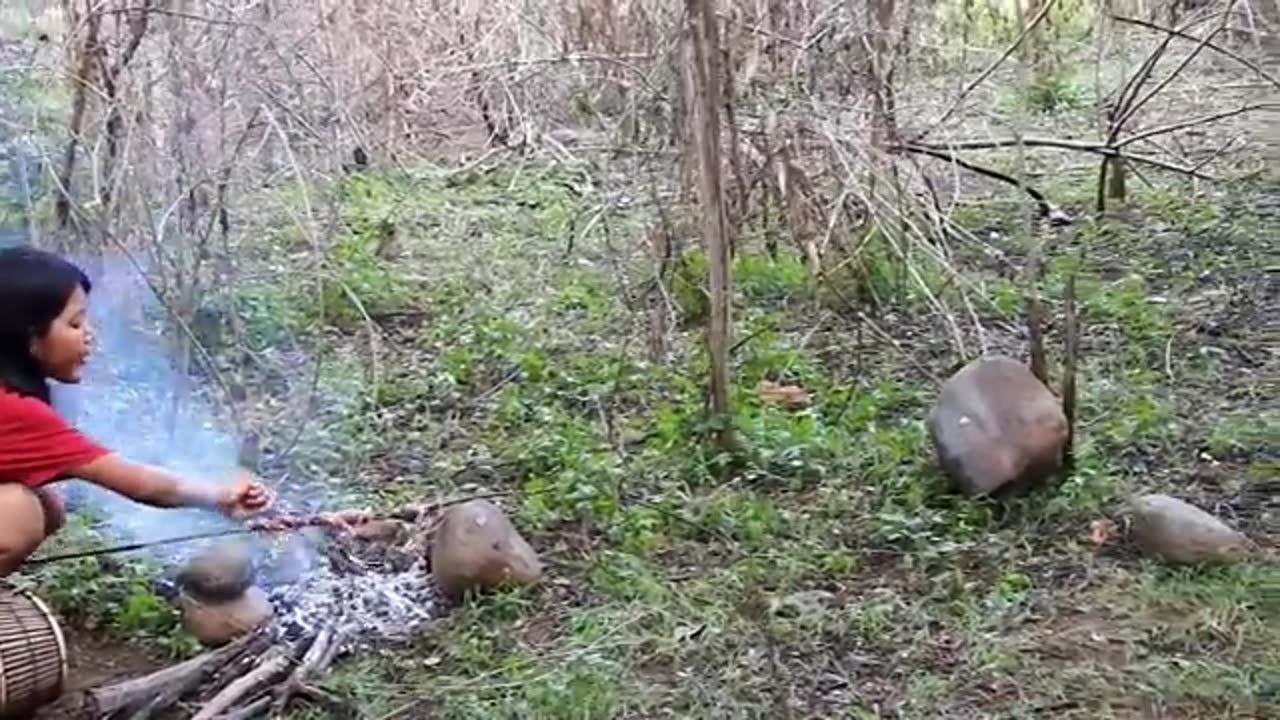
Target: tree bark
{"x": 706, "y": 96}
{"x": 111, "y": 74}
{"x": 884, "y": 125}
{"x": 84, "y": 59}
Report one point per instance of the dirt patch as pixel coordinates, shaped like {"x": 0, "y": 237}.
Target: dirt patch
{"x": 95, "y": 661}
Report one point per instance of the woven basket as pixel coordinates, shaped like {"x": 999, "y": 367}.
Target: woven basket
{"x": 33, "y": 654}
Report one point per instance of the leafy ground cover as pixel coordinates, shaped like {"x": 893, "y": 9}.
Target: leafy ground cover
{"x": 834, "y": 575}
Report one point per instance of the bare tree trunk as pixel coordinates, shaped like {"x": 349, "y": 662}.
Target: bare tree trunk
{"x": 111, "y": 74}
{"x": 684, "y": 111}
{"x": 705, "y": 93}
{"x": 879, "y": 41}
{"x": 1116, "y": 194}
{"x": 1034, "y": 48}
{"x": 735, "y": 155}
{"x": 85, "y": 55}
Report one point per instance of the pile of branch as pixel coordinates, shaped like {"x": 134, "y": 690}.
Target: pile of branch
{"x": 258, "y": 675}
{"x": 252, "y": 677}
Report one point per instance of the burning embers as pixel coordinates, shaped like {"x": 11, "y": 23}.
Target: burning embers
{"x": 365, "y": 578}
{"x": 369, "y": 586}
{"x": 283, "y": 620}
{"x": 364, "y": 608}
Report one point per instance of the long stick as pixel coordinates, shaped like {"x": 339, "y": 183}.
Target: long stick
{"x": 138, "y": 546}
{"x": 280, "y": 524}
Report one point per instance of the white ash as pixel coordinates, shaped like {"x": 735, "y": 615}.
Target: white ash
{"x": 367, "y": 607}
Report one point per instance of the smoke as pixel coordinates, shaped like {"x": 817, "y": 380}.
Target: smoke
{"x": 135, "y": 400}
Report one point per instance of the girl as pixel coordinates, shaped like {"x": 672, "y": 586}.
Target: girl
{"x": 44, "y": 333}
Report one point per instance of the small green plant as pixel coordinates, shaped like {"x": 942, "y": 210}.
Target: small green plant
{"x": 1006, "y": 296}
{"x": 761, "y": 280}
{"x": 689, "y": 288}
{"x": 1052, "y": 92}
{"x": 1128, "y": 303}
{"x": 108, "y": 595}
{"x": 1244, "y": 433}
{"x": 359, "y": 284}
{"x": 1170, "y": 205}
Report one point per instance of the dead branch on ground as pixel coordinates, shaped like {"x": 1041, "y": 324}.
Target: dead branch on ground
{"x": 1042, "y": 202}
{"x": 270, "y": 664}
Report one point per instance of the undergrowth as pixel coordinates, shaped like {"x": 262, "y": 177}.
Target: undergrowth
{"x": 835, "y": 573}
{"x": 489, "y": 329}
{"x": 112, "y": 596}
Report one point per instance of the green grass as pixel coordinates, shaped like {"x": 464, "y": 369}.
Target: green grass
{"x": 831, "y": 574}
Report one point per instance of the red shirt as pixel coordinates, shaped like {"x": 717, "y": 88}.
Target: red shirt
{"x": 36, "y": 443}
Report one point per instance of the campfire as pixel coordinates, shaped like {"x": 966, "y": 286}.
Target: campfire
{"x": 276, "y": 628}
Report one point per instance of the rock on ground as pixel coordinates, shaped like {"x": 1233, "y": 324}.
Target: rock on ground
{"x": 219, "y": 622}
{"x": 219, "y": 572}
{"x": 1179, "y": 532}
{"x": 995, "y": 426}
{"x": 476, "y": 547}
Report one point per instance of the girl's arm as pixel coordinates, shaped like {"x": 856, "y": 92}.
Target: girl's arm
{"x": 161, "y": 488}
{"x": 38, "y": 446}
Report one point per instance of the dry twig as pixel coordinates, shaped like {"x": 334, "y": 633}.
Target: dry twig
{"x": 273, "y": 663}
{"x": 986, "y": 73}
{"x": 1226, "y": 52}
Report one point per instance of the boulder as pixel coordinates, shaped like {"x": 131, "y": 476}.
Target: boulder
{"x": 219, "y": 622}
{"x": 1179, "y": 532}
{"x": 995, "y": 427}
{"x": 219, "y": 572}
{"x": 476, "y": 547}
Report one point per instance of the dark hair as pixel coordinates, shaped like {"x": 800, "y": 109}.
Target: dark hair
{"x": 35, "y": 286}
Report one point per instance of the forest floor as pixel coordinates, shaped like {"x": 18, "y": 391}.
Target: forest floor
{"x": 834, "y": 575}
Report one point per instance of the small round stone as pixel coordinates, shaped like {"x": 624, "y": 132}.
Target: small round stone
{"x": 219, "y": 572}
{"x": 220, "y": 622}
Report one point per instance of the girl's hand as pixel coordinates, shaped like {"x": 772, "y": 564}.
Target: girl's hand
{"x": 244, "y": 497}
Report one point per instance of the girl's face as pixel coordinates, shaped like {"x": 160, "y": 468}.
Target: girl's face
{"x": 64, "y": 348}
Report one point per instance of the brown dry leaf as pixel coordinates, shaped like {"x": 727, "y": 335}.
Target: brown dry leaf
{"x": 791, "y": 397}
{"x": 1101, "y": 532}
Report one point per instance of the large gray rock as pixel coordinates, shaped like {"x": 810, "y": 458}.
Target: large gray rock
{"x": 995, "y": 427}
{"x": 219, "y": 572}
{"x": 476, "y": 547}
{"x": 1179, "y": 532}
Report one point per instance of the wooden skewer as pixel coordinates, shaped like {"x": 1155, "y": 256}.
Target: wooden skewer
{"x": 281, "y": 523}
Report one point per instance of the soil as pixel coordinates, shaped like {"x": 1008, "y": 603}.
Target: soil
{"x": 94, "y": 661}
